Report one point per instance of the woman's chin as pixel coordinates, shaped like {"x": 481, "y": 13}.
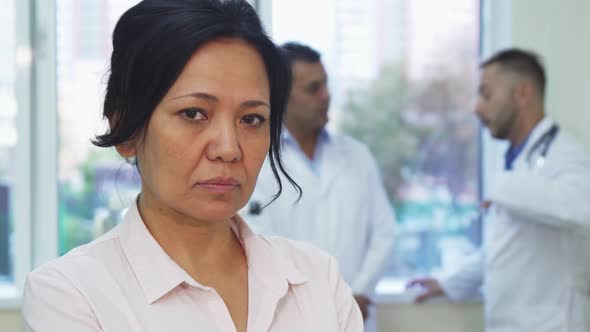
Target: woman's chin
{"x": 215, "y": 212}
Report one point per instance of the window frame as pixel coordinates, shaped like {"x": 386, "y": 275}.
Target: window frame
{"x": 44, "y": 235}
{"x": 21, "y": 185}
{"x": 35, "y": 199}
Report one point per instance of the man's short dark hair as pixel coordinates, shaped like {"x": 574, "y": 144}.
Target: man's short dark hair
{"x": 293, "y": 51}
{"x": 525, "y": 63}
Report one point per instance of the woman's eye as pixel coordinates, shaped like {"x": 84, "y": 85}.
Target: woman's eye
{"x": 253, "y": 120}
{"x": 193, "y": 114}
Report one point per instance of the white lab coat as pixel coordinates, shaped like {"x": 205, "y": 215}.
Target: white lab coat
{"x": 535, "y": 262}
{"x": 344, "y": 210}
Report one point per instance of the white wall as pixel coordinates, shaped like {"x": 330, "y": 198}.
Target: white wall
{"x": 560, "y": 32}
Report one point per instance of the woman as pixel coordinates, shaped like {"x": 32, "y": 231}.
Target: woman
{"x": 195, "y": 97}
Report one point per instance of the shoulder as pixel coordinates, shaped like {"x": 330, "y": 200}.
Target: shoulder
{"x": 343, "y": 140}
{"x": 78, "y": 265}
{"x": 569, "y": 149}
{"x": 308, "y": 259}
{"x": 569, "y": 143}
{"x": 299, "y": 252}
{"x": 56, "y": 293}
{"x": 325, "y": 286}
{"x": 354, "y": 149}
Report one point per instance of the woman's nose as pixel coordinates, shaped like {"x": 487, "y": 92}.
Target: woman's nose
{"x": 224, "y": 143}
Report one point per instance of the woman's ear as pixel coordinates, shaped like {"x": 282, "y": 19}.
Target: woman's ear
{"x": 127, "y": 150}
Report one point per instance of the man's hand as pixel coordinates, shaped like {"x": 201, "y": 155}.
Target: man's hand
{"x": 363, "y": 302}
{"x": 431, "y": 288}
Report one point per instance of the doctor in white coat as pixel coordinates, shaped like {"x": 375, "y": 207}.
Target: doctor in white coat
{"x": 535, "y": 261}
{"x": 344, "y": 208}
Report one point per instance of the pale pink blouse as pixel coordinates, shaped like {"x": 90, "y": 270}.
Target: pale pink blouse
{"x": 124, "y": 282}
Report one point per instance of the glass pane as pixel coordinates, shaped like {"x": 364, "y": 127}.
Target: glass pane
{"x": 403, "y": 75}
{"x": 95, "y": 184}
{"x": 8, "y": 135}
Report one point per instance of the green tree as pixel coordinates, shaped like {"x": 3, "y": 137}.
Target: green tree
{"x": 417, "y": 129}
{"x": 375, "y": 116}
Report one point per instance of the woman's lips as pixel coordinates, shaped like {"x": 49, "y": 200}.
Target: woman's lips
{"x": 219, "y": 185}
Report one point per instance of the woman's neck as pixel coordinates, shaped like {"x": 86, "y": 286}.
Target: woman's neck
{"x": 204, "y": 249}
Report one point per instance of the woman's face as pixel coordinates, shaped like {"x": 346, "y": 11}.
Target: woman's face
{"x": 201, "y": 153}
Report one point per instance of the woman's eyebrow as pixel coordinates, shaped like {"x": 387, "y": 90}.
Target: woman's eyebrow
{"x": 206, "y": 96}
{"x": 255, "y": 103}
{"x": 200, "y": 95}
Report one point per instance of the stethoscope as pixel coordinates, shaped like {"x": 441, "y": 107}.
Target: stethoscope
{"x": 541, "y": 147}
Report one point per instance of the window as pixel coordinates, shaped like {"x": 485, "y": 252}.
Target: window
{"x": 95, "y": 184}
{"x": 8, "y": 135}
{"x": 403, "y": 74}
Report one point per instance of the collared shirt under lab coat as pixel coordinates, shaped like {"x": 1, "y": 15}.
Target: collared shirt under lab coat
{"x": 344, "y": 208}
{"x": 125, "y": 282}
{"x": 535, "y": 262}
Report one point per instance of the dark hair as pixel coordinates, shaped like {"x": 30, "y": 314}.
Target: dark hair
{"x": 153, "y": 41}
{"x": 525, "y": 63}
{"x": 293, "y": 51}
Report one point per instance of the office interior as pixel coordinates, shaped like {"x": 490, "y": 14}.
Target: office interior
{"x": 56, "y": 46}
